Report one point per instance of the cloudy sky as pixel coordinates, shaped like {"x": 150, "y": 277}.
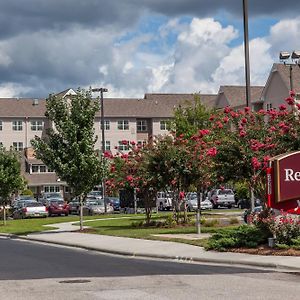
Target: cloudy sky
{"x": 138, "y": 46}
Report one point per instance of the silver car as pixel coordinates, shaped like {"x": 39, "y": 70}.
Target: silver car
{"x": 95, "y": 207}
{"x": 30, "y": 209}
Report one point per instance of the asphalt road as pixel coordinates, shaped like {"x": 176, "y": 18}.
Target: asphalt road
{"x": 38, "y": 271}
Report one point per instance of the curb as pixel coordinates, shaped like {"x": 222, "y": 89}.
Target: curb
{"x": 267, "y": 265}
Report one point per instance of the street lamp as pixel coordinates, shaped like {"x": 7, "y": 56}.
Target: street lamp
{"x": 290, "y": 60}
{"x": 102, "y": 90}
{"x": 246, "y": 48}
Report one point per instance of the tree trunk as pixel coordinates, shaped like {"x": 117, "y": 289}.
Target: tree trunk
{"x": 198, "y": 215}
{"x": 81, "y": 213}
{"x": 4, "y": 214}
{"x": 252, "y": 198}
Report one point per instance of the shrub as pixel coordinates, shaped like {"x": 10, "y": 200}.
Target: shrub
{"x": 242, "y": 236}
{"x": 286, "y": 229}
{"x": 211, "y": 223}
{"x": 233, "y": 221}
{"x": 27, "y": 192}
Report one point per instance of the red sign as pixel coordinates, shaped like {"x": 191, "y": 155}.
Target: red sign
{"x": 283, "y": 182}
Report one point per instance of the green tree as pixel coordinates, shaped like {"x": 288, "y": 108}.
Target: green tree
{"x": 69, "y": 147}
{"x": 190, "y": 117}
{"x": 10, "y": 177}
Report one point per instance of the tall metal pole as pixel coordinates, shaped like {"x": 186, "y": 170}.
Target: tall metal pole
{"x": 246, "y": 48}
{"x": 102, "y": 90}
{"x": 103, "y": 147}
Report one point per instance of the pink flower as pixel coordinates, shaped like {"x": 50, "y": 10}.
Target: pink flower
{"x": 247, "y": 109}
{"x": 290, "y": 100}
{"x": 212, "y": 151}
{"x": 225, "y": 119}
{"x": 132, "y": 143}
{"x": 255, "y": 163}
{"x": 244, "y": 120}
{"x": 292, "y": 94}
{"x": 212, "y": 117}
{"x": 129, "y": 178}
{"x": 227, "y": 110}
{"x": 124, "y": 142}
{"x": 282, "y": 107}
{"x": 242, "y": 133}
{"x": 203, "y": 132}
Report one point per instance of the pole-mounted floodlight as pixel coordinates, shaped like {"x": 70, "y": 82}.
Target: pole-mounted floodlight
{"x": 283, "y": 55}
{"x": 296, "y": 54}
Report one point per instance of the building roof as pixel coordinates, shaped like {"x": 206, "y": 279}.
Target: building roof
{"x": 152, "y": 105}
{"x": 284, "y": 72}
{"x": 236, "y": 95}
{"x": 22, "y": 107}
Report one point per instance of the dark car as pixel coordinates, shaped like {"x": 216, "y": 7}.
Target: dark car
{"x": 57, "y": 207}
{"x": 114, "y": 202}
{"x": 74, "y": 206}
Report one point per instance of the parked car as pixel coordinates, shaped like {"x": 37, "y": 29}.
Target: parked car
{"x": 163, "y": 201}
{"x": 246, "y": 203}
{"x": 47, "y": 196}
{"x": 74, "y": 205}
{"x": 222, "y": 197}
{"x": 114, "y": 202}
{"x": 30, "y": 209}
{"x": 96, "y": 194}
{"x": 95, "y": 207}
{"x": 56, "y": 206}
{"x": 192, "y": 204}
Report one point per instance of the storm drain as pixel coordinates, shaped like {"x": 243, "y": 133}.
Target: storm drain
{"x": 75, "y": 281}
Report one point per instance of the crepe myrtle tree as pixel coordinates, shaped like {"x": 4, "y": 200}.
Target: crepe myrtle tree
{"x": 69, "y": 147}
{"x": 179, "y": 162}
{"x": 11, "y": 180}
{"x": 129, "y": 171}
{"x": 246, "y": 140}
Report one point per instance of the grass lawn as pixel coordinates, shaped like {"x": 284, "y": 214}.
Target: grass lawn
{"x": 124, "y": 228}
{"x": 26, "y": 226}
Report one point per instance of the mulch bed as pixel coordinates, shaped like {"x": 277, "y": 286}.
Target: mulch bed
{"x": 265, "y": 250}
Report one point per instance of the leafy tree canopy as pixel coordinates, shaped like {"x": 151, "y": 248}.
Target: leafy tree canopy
{"x": 69, "y": 147}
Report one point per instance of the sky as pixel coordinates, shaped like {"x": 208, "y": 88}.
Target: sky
{"x": 133, "y": 47}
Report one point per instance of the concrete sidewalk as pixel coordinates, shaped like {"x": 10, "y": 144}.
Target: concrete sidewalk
{"x": 157, "y": 249}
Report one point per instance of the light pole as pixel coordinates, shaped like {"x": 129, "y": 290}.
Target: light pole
{"x": 285, "y": 57}
{"x": 102, "y": 90}
{"x": 246, "y": 48}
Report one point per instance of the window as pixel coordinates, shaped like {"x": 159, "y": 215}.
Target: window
{"x": 17, "y": 125}
{"x": 35, "y": 169}
{"x": 43, "y": 169}
{"x": 18, "y": 146}
{"x": 269, "y": 106}
{"x": 51, "y": 189}
{"x": 123, "y": 125}
{"x": 107, "y": 145}
{"x": 164, "y": 125}
{"x": 39, "y": 169}
{"x": 106, "y": 125}
{"x": 122, "y": 146}
{"x": 37, "y": 125}
{"x": 0, "y": 125}
{"x": 141, "y": 125}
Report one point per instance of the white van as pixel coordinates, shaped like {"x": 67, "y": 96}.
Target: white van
{"x": 163, "y": 201}
{"x": 222, "y": 197}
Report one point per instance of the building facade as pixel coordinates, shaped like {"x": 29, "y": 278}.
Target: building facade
{"x": 133, "y": 119}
